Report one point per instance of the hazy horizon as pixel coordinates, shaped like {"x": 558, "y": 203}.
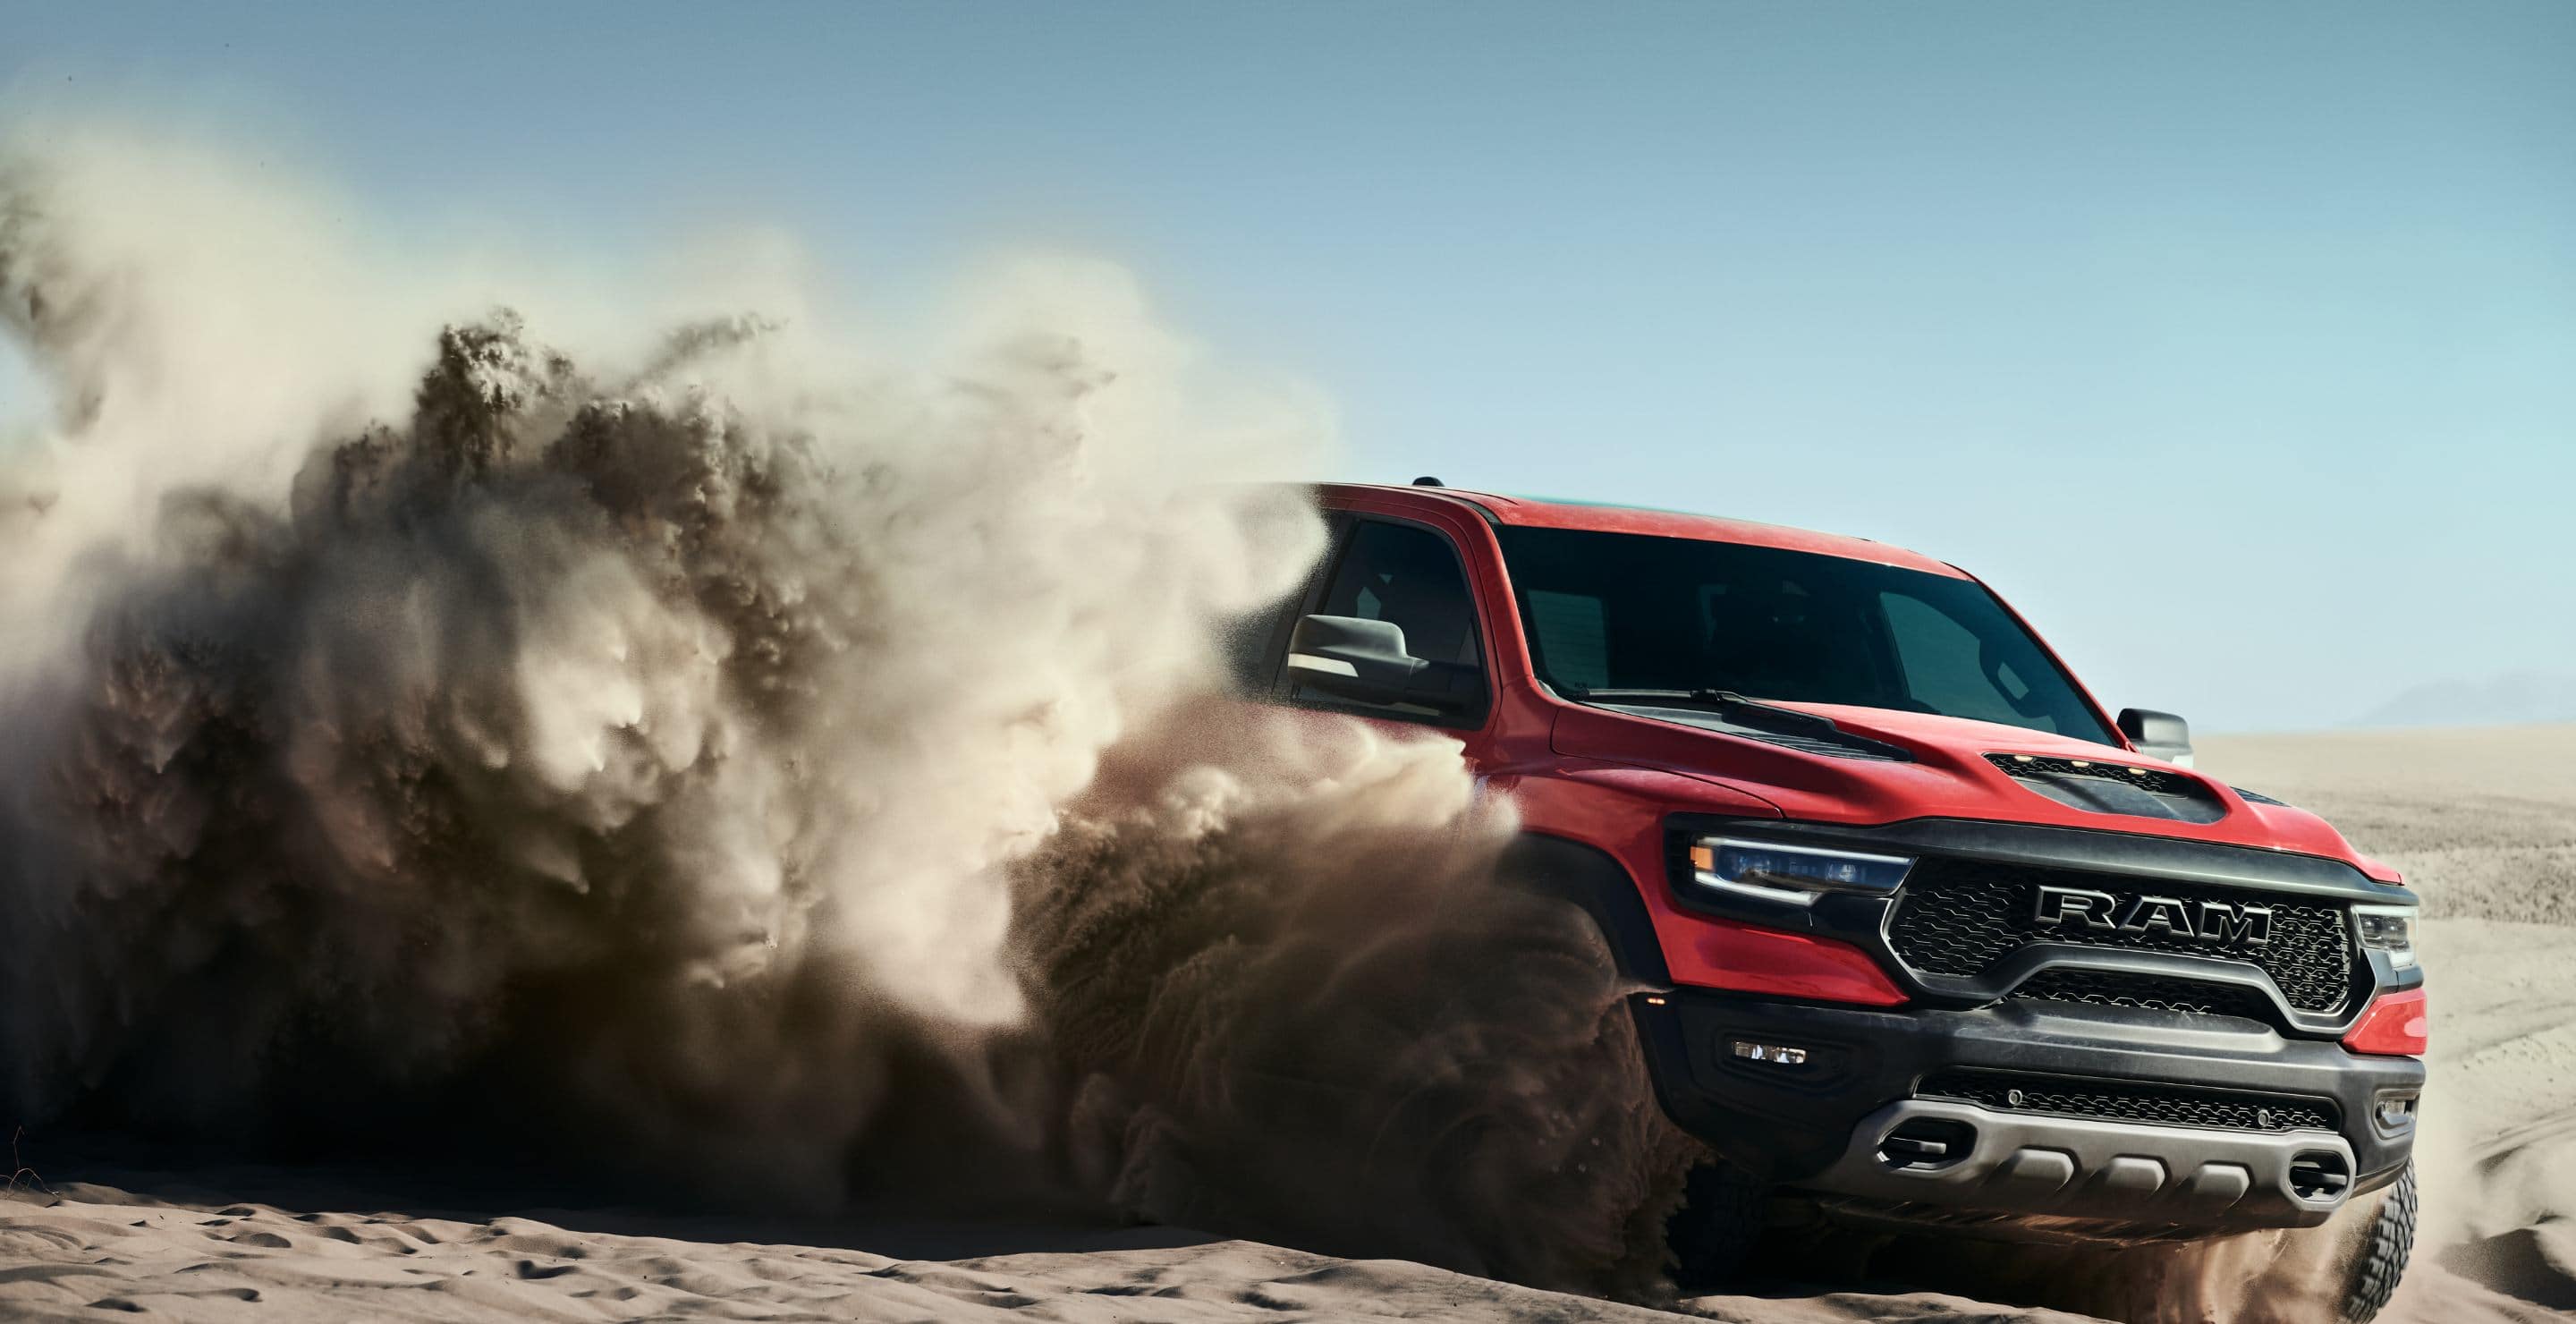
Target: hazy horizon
{"x": 2236, "y": 346}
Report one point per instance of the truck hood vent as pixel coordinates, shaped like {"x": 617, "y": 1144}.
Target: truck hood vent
{"x": 2113, "y": 787}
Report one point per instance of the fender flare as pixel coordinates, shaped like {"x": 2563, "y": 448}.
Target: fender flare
{"x": 1594, "y": 880}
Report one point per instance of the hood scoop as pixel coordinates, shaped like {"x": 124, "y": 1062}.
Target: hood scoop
{"x": 2097, "y": 787}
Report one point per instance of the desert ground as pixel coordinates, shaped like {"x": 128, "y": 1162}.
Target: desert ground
{"x": 2484, "y": 821}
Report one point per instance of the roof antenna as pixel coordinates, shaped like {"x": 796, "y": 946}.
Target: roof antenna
{"x": 1427, "y": 480}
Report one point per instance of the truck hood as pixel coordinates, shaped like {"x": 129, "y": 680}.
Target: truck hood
{"x": 1884, "y": 766}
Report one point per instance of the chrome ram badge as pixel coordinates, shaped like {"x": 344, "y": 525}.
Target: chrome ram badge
{"x": 2223, "y": 923}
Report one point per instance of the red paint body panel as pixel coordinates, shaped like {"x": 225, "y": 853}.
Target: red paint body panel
{"x": 1608, "y": 779}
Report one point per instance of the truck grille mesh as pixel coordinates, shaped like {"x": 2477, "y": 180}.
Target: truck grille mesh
{"x": 2111, "y": 989}
{"x": 1964, "y": 917}
{"x": 2119, "y": 1102}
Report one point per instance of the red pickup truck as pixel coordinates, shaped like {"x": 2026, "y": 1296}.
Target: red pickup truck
{"x": 1920, "y": 934}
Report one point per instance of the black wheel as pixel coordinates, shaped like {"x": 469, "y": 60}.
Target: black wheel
{"x": 1723, "y": 1210}
{"x": 2379, "y": 1258}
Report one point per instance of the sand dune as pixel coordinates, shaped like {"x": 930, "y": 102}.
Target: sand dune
{"x": 2485, "y": 821}
{"x": 89, "y": 1248}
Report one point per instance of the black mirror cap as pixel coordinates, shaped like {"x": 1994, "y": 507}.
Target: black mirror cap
{"x": 2157, "y": 735}
{"x": 1352, "y": 657}
{"x": 1351, "y": 642}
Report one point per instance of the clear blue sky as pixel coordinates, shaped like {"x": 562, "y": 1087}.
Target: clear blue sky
{"x": 2236, "y": 343}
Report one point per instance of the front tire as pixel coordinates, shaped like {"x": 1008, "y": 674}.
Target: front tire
{"x": 2379, "y": 1258}
{"x": 1722, "y": 1215}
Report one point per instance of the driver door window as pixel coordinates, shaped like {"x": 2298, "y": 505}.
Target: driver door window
{"x": 1411, "y": 577}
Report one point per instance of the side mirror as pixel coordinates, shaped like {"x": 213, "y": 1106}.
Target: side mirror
{"x": 1365, "y": 661}
{"x": 2157, "y": 735}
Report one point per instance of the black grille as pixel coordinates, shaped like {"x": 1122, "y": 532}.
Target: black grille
{"x": 1964, "y": 917}
{"x": 2110, "y": 989}
{"x": 2112, "y": 1101}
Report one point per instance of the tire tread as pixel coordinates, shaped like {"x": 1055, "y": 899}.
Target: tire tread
{"x": 2383, "y": 1253}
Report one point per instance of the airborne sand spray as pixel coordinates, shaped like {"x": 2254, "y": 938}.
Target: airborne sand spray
{"x": 698, "y": 766}
{"x": 1299, "y": 1008}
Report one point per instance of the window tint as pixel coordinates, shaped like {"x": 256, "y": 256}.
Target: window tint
{"x": 1780, "y": 634}
{"x": 1410, "y": 577}
{"x": 1619, "y": 611}
{"x": 1569, "y": 629}
{"x": 1939, "y": 658}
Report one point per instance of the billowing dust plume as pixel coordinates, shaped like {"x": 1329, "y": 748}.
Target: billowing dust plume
{"x": 711, "y": 761}
{"x": 1299, "y": 1015}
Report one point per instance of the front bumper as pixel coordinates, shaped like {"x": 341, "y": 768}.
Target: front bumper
{"x": 2068, "y": 1167}
{"x": 1824, "y": 1125}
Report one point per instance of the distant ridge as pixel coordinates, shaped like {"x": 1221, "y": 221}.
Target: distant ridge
{"x": 2511, "y": 699}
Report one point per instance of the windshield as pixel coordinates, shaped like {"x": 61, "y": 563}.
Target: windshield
{"x": 1625, "y": 611}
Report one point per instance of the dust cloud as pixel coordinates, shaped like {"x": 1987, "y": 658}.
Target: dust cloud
{"x": 1301, "y": 1016}
{"x": 784, "y": 763}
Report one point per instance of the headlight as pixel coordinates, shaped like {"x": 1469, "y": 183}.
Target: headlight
{"x": 1792, "y": 875}
{"x": 2389, "y": 929}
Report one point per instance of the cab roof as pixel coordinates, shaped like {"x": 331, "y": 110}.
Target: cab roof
{"x": 1546, "y": 513}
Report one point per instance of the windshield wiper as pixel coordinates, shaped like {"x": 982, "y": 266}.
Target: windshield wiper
{"x": 1726, "y": 703}
{"x": 1752, "y": 719}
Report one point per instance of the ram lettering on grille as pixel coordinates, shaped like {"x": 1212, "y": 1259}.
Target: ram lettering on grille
{"x": 2228, "y": 924}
